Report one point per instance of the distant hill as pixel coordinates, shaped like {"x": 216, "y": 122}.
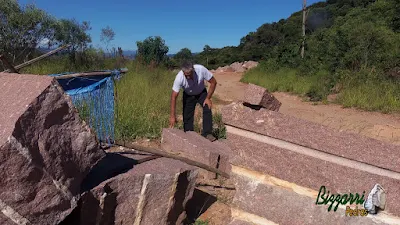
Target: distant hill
{"x": 339, "y": 34}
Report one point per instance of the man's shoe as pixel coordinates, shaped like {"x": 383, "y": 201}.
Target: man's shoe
{"x": 211, "y": 137}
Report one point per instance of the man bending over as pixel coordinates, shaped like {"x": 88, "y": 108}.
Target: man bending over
{"x": 191, "y": 80}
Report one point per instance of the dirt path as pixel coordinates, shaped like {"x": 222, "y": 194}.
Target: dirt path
{"x": 372, "y": 124}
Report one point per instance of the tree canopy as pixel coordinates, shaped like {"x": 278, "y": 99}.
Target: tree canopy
{"x": 152, "y": 49}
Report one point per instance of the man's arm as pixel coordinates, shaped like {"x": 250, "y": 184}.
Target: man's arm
{"x": 213, "y": 84}
{"x": 174, "y": 96}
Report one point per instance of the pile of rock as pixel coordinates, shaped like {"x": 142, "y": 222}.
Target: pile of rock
{"x": 54, "y": 171}
{"x": 238, "y": 67}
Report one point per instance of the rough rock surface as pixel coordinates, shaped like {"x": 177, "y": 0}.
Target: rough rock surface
{"x": 310, "y": 172}
{"x": 154, "y": 192}
{"x": 312, "y": 135}
{"x": 45, "y": 149}
{"x": 240, "y": 222}
{"x": 250, "y": 65}
{"x": 259, "y": 96}
{"x": 286, "y": 207}
{"x": 194, "y": 146}
{"x": 238, "y": 67}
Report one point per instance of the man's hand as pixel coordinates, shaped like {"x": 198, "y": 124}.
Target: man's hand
{"x": 208, "y": 102}
{"x": 172, "y": 121}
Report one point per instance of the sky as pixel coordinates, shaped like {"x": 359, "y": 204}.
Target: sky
{"x": 182, "y": 24}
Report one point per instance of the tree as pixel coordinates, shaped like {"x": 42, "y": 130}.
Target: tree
{"x": 304, "y": 27}
{"x": 106, "y": 36}
{"x": 152, "y": 49}
{"x": 22, "y": 29}
{"x": 207, "y": 50}
{"x": 70, "y": 31}
{"x": 182, "y": 55}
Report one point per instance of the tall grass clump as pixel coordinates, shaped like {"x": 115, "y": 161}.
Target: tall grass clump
{"x": 143, "y": 101}
{"x": 276, "y": 79}
{"x": 370, "y": 91}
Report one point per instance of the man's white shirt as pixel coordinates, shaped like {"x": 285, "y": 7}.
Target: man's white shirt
{"x": 192, "y": 86}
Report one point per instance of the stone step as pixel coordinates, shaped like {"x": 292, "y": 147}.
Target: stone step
{"x": 240, "y": 222}
{"x": 269, "y": 200}
{"x": 314, "y": 171}
{"x": 308, "y": 134}
{"x": 196, "y": 147}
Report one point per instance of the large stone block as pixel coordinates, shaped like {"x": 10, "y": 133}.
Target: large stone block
{"x": 154, "y": 192}
{"x": 310, "y": 172}
{"x": 196, "y": 147}
{"x": 256, "y": 97}
{"x": 46, "y": 150}
{"x": 312, "y": 135}
{"x": 285, "y": 206}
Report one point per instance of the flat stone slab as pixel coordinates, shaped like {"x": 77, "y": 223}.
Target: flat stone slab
{"x": 46, "y": 150}
{"x": 312, "y": 135}
{"x": 259, "y": 96}
{"x": 240, "y": 222}
{"x": 154, "y": 192}
{"x": 310, "y": 172}
{"x": 196, "y": 147}
{"x": 285, "y": 207}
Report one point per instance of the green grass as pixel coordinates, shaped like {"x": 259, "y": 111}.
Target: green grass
{"x": 372, "y": 96}
{"x": 143, "y": 104}
{"x": 200, "y": 222}
{"x": 285, "y": 80}
{"x": 143, "y": 97}
{"x": 361, "y": 90}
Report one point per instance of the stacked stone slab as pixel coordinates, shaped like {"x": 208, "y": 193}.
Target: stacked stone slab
{"x": 281, "y": 162}
{"x": 258, "y": 97}
{"x": 154, "y": 192}
{"x": 194, "y": 146}
{"x": 45, "y": 151}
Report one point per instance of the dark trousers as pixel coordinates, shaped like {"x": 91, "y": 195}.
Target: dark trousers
{"x": 189, "y": 105}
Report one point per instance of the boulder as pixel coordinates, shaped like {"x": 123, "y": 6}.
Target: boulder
{"x": 154, "y": 192}
{"x": 196, "y": 147}
{"x": 257, "y": 96}
{"x": 46, "y": 150}
{"x": 250, "y": 65}
{"x": 238, "y": 67}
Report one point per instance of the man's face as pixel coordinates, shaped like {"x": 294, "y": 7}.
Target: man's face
{"x": 188, "y": 74}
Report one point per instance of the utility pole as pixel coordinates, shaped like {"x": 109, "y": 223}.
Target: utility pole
{"x": 304, "y": 27}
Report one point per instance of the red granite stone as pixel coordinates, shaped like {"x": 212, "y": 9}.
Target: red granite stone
{"x": 312, "y": 135}
{"x": 259, "y": 96}
{"x": 196, "y": 147}
{"x": 169, "y": 184}
{"x": 285, "y": 207}
{"x": 5, "y": 221}
{"x": 240, "y": 222}
{"x": 46, "y": 150}
{"x": 310, "y": 172}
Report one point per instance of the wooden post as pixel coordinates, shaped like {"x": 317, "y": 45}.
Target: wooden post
{"x": 38, "y": 58}
{"x": 172, "y": 156}
{"x": 304, "y": 27}
{"x": 8, "y": 64}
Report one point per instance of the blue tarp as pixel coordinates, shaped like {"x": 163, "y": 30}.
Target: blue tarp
{"x": 93, "y": 96}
